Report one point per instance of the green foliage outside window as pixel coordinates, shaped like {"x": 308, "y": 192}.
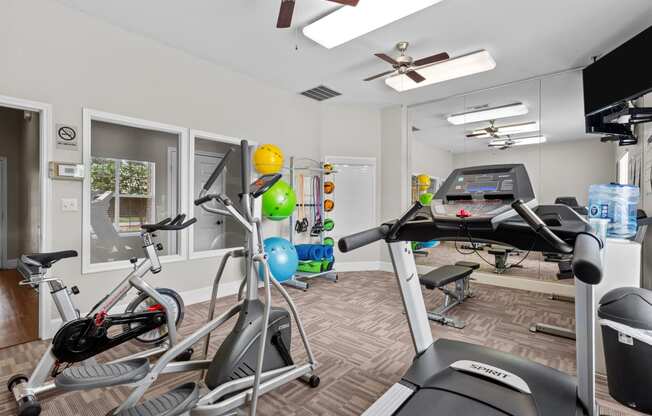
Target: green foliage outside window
{"x": 134, "y": 177}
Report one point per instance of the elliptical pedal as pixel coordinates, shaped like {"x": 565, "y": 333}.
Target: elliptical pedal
{"x": 102, "y": 375}
{"x": 173, "y": 403}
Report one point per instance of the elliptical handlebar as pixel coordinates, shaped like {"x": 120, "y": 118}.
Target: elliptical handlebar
{"x": 218, "y": 171}
{"x": 540, "y": 227}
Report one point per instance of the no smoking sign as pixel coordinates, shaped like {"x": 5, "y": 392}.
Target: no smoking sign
{"x": 67, "y": 137}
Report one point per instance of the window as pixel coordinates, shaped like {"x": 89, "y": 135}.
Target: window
{"x": 212, "y": 233}
{"x": 623, "y": 169}
{"x": 129, "y": 186}
{"x": 136, "y": 175}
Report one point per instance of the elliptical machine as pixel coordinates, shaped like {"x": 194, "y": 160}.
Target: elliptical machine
{"x": 255, "y": 357}
{"x": 150, "y": 319}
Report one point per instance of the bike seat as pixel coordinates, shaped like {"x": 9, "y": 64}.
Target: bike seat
{"x": 46, "y": 260}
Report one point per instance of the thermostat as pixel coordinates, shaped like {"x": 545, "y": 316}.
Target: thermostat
{"x": 66, "y": 171}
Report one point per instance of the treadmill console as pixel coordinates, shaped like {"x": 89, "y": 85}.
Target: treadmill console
{"x": 482, "y": 192}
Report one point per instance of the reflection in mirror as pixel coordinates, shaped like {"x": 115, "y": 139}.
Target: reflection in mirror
{"x": 134, "y": 180}
{"x": 538, "y": 123}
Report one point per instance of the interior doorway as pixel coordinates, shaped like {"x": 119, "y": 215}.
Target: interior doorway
{"x": 21, "y": 216}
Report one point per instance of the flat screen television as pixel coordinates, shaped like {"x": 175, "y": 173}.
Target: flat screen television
{"x": 623, "y": 74}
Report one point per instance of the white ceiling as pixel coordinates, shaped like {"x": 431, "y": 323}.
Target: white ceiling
{"x": 555, "y": 102}
{"x": 526, "y": 38}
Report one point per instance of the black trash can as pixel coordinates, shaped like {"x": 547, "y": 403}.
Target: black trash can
{"x": 626, "y": 321}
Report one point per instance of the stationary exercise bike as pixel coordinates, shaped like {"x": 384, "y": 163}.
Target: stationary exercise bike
{"x": 255, "y": 357}
{"x": 150, "y": 319}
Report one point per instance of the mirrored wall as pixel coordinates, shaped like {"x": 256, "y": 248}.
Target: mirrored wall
{"x": 538, "y": 123}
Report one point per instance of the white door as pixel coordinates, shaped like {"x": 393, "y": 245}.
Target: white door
{"x": 3, "y": 213}
{"x": 209, "y": 231}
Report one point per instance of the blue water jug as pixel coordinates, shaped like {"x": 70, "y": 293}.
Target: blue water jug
{"x": 618, "y": 204}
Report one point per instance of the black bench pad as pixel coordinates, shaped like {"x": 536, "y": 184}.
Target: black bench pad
{"x": 469, "y": 264}
{"x": 444, "y": 275}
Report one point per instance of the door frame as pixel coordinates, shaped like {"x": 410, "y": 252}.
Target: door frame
{"x": 3, "y": 212}
{"x": 46, "y": 129}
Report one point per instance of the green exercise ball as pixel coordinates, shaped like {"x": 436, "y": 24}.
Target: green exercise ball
{"x": 426, "y": 198}
{"x": 279, "y": 201}
{"x": 328, "y": 241}
{"x": 329, "y": 224}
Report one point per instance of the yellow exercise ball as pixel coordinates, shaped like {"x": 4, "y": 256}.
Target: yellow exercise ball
{"x": 423, "y": 181}
{"x": 268, "y": 158}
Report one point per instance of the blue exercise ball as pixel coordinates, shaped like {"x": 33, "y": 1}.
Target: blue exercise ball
{"x": 282, "y": 258}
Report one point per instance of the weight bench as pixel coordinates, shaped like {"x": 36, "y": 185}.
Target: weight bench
{"x": 440, "y": 278}
{"x": 501, "y": 255}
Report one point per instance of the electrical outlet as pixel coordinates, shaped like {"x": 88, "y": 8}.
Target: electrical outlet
{"x": 69, "y": 204}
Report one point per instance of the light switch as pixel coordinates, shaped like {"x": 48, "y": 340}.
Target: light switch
{"x": 69, "y": 204}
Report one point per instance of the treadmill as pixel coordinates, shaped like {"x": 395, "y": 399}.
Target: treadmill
{"x": 488, "y": 204}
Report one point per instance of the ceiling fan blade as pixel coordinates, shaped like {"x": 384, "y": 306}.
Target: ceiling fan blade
{"x": 415, "y": 76}
{"x": 285, "y": 14}
{"x": 386, "y": 58}
{"x": 346, "y": 2}
{"x": 431, "y": 59}
{"x": 471, "y": 135}
{"x": 379, "y": 75}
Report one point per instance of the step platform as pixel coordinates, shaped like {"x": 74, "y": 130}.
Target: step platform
{"x": 173, "y": 403}
{"x": 102, "y": 375}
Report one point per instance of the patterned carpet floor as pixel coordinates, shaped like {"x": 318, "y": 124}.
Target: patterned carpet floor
{"x": 362, "y": 343}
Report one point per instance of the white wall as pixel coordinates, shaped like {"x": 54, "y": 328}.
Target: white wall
{"x": 54, "y": 54}
{"x": 394, "y": 176}
{"x": 430, "y": 160}
{"x": 350, "y": 130}
{"x": 555, "y": 169}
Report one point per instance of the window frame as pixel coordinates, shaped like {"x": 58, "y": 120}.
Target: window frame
{"x": 204, "y": 135}
{"x": 88, "y": 117}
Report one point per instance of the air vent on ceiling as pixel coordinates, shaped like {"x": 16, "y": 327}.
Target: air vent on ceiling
{"x": 320, "y": 93}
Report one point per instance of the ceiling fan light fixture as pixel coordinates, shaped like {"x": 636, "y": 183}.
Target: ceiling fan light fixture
{"x": 348, "y": 23}
{"x": 529, "y": 127}
{"x": 523, "y": 141}
{"x": 462, "y": 66}
{"x": 485, "y": 114}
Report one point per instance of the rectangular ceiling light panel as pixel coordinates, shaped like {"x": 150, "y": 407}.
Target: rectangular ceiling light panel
{"x": 485, "y": 114}
{"x": 519, "y": 142}
{"x": 462, "y": 66}
{"x": 348, "y": 23}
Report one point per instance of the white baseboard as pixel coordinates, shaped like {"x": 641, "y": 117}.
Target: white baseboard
{"x": 190, "y": 297}
{"x": 12, "y": 263}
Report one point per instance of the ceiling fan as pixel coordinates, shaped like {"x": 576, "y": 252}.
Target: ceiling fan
{"x": 287, "y": 9}
{"x": 492, "y": 131}
{"x": 505, "y": 144}
{"x": 500, "y": 131}
{"x": 404, "y": 64}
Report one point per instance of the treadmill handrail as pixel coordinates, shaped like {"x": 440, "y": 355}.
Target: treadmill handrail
{"x": 540, "y": 227}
